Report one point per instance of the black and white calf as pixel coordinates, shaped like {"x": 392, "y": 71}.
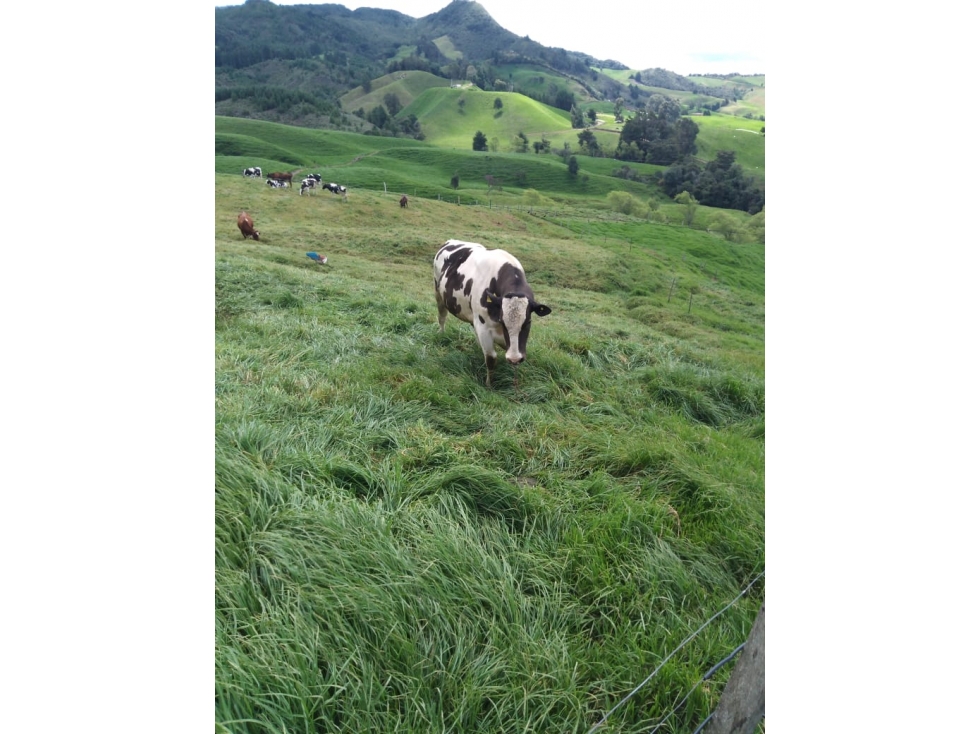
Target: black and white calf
{"x": 308, "y": 184}
{"x": 276, "y": 184}
{"x": 250, "y": 172}
{"x": 315, "y": 176}
{"x": 488, "y": 289}
{"x": 335, "y": 188}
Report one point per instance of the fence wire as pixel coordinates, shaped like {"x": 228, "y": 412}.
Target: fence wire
{"x": 659, "y": 667}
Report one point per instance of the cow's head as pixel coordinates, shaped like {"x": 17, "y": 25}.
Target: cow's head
{"x": 512, "y": 312}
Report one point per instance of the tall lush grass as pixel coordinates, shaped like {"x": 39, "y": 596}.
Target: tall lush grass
{"x": 399, "y": 548}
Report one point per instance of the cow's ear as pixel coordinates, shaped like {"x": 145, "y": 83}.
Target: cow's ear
{"x": 541, "y": 310}
{"x": 491, "y": 303}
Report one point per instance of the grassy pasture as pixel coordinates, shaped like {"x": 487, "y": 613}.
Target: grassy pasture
{"x": 399, "y": 548}
{"x": 726, "y": 132}
{"x": 405, "y": 85}
{"x": 421, "y": 169}
{"x": 447, "y": 48}
{"x": 753, "y": 102}
{"x": 418, "y": 168}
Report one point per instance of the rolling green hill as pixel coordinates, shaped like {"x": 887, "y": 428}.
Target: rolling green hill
{"x": 426, "y": 168}
{"x": 450, "y": 117}
{"x": 417, "y": 168}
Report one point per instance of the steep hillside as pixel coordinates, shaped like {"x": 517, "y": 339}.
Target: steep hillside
{"x": 292, "y": 63}
{"x": 405, "y": 85}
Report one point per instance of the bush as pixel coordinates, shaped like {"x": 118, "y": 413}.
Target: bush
{"x": 535, "y": 198}
{"x": 622, "y": 202}
{"x": 727, "y": 225}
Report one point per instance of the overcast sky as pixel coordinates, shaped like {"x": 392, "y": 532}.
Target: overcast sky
{"x": 710, "y": 36}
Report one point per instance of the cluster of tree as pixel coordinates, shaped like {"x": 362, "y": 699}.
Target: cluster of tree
{"x": 720, "y": 183}
{"x": 658, "y": 134}
{"x": 554, "y": 96}
{"x": 238, "y": 57}
{"x": 589, "y": 144}
{"x": 665, "y": 79}
{"x": 265, "y": 98}
{"x": 414, "y": 63}
{"x": 631, "y": 174}
{"x": 386, "y": 123}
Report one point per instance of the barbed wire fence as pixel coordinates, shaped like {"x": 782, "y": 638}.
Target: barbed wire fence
{"x": 707, "y": 675}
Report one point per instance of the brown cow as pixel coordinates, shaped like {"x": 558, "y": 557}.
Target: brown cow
{"x": 247, "y": 226}
{"x": 404, "y": 201}
{"x": 280, "y": 176}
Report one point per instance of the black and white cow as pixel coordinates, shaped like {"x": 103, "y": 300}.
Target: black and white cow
{"x": 250, "y": 172}
{"x": 308, "y": 184}
{"x": 335, "y": 188}
{"x": 488, "y": 289}
{"x": 276, "y": 184}
{"x": 315, "y": 176}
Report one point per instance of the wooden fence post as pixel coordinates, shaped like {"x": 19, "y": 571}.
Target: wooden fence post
{"x": 670, "y": 297}
{"x": 742, "y": 704}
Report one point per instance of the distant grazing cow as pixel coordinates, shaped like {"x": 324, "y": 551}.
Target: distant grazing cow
{"x": 488, "y": 289}
{"x": 314, "y": 176}
{"x": 276, "y": 184}
{"x": 247, "y": 226}
{"x": 404, "y": 201}
{"x": 335, "y": 188}
{"x": 250, "y": 172}
{"x": 279, "y": 176}
{"x": 308, "y": 184}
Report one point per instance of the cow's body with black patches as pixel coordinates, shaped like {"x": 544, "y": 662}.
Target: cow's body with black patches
{"x": 488, "y": 289}
{"x": 308, "y": 184}
{"x": 252, "y": 172}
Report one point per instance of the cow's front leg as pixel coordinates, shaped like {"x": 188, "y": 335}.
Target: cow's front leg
{"x": 485, "y": 339}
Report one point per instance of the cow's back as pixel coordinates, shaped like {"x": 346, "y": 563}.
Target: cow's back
{"x": 462, "y": 271}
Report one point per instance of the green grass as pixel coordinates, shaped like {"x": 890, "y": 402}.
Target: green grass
{"x": 412, "y": 167}
{"x": 726, "y": 132}
{"x": 399, "y": 548}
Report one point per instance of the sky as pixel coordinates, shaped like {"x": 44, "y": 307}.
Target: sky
{"x": 718, "y": 37}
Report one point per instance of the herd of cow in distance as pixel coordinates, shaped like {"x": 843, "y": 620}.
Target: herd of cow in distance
{"x": 280, "y": 179}
{"x": 487, "y": 289}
